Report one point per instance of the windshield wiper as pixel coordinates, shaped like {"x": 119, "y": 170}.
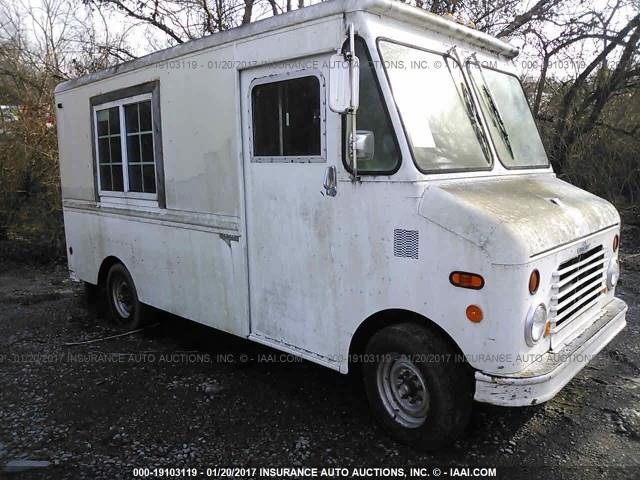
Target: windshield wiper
{"x": 472, "y": 112}
{"x": 474, "y": 117}
{"x": 497, "y": 119}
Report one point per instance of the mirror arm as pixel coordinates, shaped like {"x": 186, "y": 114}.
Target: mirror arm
{"x": 351, "y": 55}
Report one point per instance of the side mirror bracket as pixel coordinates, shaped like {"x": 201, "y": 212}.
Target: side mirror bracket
{"x": 344, "y": 84}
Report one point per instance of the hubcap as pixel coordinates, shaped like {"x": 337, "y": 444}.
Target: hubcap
{"x": 402, "y": 388}
{"x": 122, "y": 297}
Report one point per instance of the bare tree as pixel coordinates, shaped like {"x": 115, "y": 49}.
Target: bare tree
{"x": 586, "y": 98}
{"x": 41, "y": 43}
{"x": 183, "y": 20}
{"x": 588, "y": 112}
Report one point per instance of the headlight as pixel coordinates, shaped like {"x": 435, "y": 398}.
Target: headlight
{"x": 613, "y": 273}
{"x": 535, "y": 324}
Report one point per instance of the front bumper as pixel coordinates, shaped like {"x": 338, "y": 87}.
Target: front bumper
{"x": 546, "y": 376}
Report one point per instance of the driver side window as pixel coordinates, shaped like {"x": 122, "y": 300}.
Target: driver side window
{"x": 373, "y": 116}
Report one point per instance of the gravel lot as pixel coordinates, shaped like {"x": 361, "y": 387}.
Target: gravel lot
{"x": 180, "y": 394}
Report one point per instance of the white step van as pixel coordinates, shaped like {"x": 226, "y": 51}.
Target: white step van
{"x": 358, "y": 183}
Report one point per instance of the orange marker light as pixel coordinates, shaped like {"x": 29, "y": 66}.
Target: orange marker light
{"x": 466, "y": 280}
{"x": 534, "y": 282}
{"x": 474, "y": 313}
{"x": 547, "y": 329}
{"x": 616, "y": 243}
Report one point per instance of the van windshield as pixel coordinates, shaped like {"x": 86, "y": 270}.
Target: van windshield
{"x": 511, "y": 125}
{"x": 438, "y": 114}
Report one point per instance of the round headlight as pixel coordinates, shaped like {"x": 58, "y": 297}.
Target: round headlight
{"x": 613, "y": 273}
{"x": 534, "y": 325}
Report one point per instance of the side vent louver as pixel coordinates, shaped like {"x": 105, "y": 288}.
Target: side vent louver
{"x": 405, "y": 243}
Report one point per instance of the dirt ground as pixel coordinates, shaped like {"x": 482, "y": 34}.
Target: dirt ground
{"x": 180, "y": 394}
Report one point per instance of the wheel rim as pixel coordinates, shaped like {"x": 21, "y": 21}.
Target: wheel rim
{"x": 403, "y": 391}
{"x": 122, "y": 297}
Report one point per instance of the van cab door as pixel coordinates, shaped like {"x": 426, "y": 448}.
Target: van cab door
{"x": 289, "y": 143}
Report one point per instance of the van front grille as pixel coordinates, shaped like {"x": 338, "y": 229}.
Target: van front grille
{"x": 577, "y": 285}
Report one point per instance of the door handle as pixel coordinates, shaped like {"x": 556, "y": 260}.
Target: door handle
{"x": 330, "y": 181}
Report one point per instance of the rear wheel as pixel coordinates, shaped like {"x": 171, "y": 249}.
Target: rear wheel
{"x": 124, "y": 308}
{"x": 419, "y": 390}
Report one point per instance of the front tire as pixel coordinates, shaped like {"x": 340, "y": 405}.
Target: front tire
{"x": 124, "y": 307}
{"x": 419, "y": 389}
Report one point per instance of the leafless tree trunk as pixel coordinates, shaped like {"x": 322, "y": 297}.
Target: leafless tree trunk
{"x": 248, "y": 10}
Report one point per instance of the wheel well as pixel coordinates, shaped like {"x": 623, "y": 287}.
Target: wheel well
{"x": 107, "y": 263}
{"x": 384, "y": 318}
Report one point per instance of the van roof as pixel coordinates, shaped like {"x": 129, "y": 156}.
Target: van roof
{"x": 389, "y": 8}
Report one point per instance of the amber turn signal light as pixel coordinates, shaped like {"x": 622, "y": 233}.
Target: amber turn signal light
{"x": 474, "y": 314}
{"x": 616, "y": 243}
{"x": 534, "y": 282}
{"x": 466, "y": 280}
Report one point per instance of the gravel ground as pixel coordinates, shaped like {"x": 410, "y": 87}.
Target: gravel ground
{"x": 179, "y": 394}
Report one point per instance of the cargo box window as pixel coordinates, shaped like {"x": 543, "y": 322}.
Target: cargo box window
{"x": 109, "y": 149}
{"x": 142, "y": 177}
{"x": 127, "y": 146}
{"x": 287, "y": 120}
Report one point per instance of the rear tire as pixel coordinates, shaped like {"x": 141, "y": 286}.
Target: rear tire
{"x": 123, "y": 306}
{"x": 419, "y": 389}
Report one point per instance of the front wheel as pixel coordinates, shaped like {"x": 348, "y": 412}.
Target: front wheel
{"x": 419, "y": 389}
{"x": 125, "y": 310}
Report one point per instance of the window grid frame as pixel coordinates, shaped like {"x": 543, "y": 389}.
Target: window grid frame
{"x": 121, "y": 103}
{"x": 139, "y": 133}
{"x": 108, "y": 137}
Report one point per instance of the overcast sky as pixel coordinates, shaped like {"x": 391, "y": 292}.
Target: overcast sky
{"x": 143, "y": 39}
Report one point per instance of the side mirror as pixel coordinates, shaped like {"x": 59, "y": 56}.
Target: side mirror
{"x": 341, "y": 97}
{"x": 365, "y": 145}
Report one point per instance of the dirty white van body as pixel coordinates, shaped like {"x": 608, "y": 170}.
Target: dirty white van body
{"x": 225, "y": 211}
